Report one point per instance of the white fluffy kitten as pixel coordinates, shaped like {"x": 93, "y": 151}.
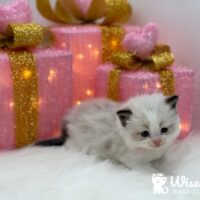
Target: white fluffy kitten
{"x": 133, "y": 133}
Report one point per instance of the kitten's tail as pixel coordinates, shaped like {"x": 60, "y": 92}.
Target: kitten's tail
{"x": 56, "y": 141}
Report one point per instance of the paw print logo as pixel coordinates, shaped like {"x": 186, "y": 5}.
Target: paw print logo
{"x": 159, "y": 181}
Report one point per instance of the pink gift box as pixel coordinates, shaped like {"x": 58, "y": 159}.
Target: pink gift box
{"x": 143, "y": 82}
{"x": 54, "y": 82}
{"x": 85, "y": 42}
{"x": 18, "y": 11}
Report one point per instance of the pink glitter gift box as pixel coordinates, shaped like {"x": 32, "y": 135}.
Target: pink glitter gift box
{"x": 54, "y": 85}
{"x": 143, "y": 82}
{"x": 18, "y": 11}
{"x": 85, "y": 42}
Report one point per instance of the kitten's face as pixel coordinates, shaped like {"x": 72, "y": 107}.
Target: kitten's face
{"x": 149, "y": 121}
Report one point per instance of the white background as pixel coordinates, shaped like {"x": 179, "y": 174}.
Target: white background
{"x": 179, "y": 22}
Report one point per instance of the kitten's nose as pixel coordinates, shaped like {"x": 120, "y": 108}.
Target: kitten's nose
{"x": 157, "y": 141}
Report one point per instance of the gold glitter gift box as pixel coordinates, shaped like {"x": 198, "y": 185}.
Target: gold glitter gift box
{"x": 34, "y": 95}
{"x": 35, "y": 85}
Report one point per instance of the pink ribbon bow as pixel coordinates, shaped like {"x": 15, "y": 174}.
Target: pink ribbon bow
{"x": 142, "y": 41}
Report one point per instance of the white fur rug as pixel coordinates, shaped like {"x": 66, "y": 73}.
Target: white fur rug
{"x": 57, "y": 174}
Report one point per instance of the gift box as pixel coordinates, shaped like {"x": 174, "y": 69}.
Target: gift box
{"x": 140, "y": 82}
{"x": 50, "y": 96}
{"x": 93, "y": 30}
{"x": 18, "y": 11}
{"x": 90, "y": 45}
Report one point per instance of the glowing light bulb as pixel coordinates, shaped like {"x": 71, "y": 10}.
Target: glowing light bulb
{"x": 52, "y": 75}
{"x": 146, "y": 86}
{"x": 96, "y": 52}
{"x": 11, "y": 104}
{"x": 89, "y": 46}
{"x": 64, "y": 44}
{"x": 80, "y": 56}
{"x": 78, "y": 103}
{"x": 114, "y": 43}
{"x": 27, "y": 73}
{"x": 184, "y": 127}
{"x": 158, "y": 86}
{"x": 40, "y": 102}
{"x": 89, "y": 92}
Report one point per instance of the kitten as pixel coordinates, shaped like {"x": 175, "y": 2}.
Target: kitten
{"x": 134, "y": 133}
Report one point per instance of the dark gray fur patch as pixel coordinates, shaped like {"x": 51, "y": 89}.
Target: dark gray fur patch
{"x": 172, "y": 101}
{"x": 55, "y": 141}
{"x": 124, "y": 115}
{"x": 108, "y": 145}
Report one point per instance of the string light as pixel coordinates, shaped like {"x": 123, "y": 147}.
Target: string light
{"x": 89, "y": 46}
{"x": 146, "y": 86}
{"x": 27, "y": 74}
{"x": 40, "y": 102}
{"x": 158, "y": 86}
{"x": 89, "y": 92}
{"x": 11, "y": 104}
{"x": 96, "y": 52}
{"x": 114, "y": 43}
{"x": 63, "y": 44}
{"x": 78, "y": 103}
{"x": 184, "y": 127}
{"x": 52, "y": 75}
{"x": 80, "y": 56}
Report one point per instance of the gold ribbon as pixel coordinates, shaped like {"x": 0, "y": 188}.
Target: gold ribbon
{"x": 25, "y": 87}
{"x": 25, "y": 78}
{"x": 111, "y": 40}
{"x": 160, "y": 58}
{"x": 67, "y": 11}
{"x": 25, "y": 35}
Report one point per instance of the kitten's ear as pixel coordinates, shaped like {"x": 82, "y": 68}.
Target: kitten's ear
{"x": 124, "y": 115}
{"x": 172, "y": 101}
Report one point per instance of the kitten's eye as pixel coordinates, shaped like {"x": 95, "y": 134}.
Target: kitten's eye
{"x": 164, "y": 130}
{"x": 145, "y": 134}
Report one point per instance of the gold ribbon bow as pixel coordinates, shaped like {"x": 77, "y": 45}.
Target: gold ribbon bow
{"x": 67, "y": 11}
{"x": 25, "y": 35}
{"x": 15, "y": 42}
{"x": 158, "y": 61}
